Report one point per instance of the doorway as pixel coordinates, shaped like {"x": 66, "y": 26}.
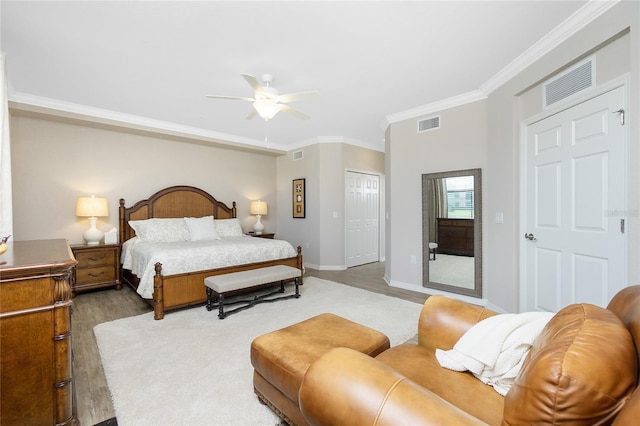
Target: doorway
{"x": 362, "y": 218}
{"x": 574, "y": 201}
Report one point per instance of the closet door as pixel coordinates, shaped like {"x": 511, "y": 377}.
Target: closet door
{"x": 363, "y": 228}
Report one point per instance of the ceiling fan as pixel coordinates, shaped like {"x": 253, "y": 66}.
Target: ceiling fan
{"x": 266, "y": 100}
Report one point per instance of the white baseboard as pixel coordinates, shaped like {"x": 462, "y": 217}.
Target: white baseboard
{"x": 420, "y": 289}
{"x": 325, "y": 267}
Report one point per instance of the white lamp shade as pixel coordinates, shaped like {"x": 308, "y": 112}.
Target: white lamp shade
{"x": 92, "y": 207}
{"x": 266, "y": 109}
{"x": 258, "y": 207}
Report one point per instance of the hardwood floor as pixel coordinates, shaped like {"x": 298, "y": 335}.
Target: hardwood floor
{"x": 93, "y": 398}
{"x": 368, "y": 277}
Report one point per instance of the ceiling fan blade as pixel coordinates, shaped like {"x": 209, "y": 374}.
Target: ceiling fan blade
{"x": 292, "y": 111}
{"x": 253, "y": 82}
{"x": 236, "y": 98}
{"x": 291, "y": 97}
{"x": 252, "y": 114}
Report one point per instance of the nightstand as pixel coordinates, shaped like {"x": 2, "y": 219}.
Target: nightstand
{"x": 264, "y": 235}
{"x": 98, "y": 267}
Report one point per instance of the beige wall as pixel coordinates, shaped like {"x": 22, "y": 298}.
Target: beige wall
{"x": 499, "y": 156}
{"x": 324, "y": 166}
{"x": 303, "y": 232}
{"x": 460, "y": 143}
{"x": 55, "y": 162}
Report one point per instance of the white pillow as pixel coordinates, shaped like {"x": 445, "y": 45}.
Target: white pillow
{"x": 228, "y": 228}
{"x": 161, "y": 230}
{"x": 201, "y": 228}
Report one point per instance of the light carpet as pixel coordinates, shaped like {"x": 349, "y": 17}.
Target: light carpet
{"x": 193, "y": 369}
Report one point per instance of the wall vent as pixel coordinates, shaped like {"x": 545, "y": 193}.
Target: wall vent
{"x": 297, "y": 155}
{"x": 430, "y": 123}
{"x": 576, "y": 79}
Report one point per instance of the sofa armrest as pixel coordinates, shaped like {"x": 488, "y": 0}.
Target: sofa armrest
{"x": 346, "y": 384}
{"x": 444, "y": 320}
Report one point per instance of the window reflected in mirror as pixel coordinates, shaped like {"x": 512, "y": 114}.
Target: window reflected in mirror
{"x": 451, "y": 231}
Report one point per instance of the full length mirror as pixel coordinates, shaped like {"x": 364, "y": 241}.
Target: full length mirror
{"x": 452, "y": 231}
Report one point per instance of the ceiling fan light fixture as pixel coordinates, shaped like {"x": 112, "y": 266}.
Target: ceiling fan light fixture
{"x": 266, "y": 108}
{"x": 267, "y": 101}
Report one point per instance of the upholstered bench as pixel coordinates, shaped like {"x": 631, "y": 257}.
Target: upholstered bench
{"x": 432, "y": 250}
{"x": 226, "y": 283}
{"x": 281, "y": 358}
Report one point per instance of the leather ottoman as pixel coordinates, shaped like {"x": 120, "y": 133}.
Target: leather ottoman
{"x": 281, "y": 358}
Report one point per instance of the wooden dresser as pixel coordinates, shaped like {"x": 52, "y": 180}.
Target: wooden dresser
{"x": 35, "y": 334}
{"x": 455, "y": 236}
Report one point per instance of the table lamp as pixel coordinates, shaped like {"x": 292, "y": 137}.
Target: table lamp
{"x": 258, "y": 208}
{"x": 92, "y": 208}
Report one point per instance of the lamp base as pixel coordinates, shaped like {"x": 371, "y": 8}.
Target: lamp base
{"x": 93, "y": 235}
{"x": 258, "y": 227}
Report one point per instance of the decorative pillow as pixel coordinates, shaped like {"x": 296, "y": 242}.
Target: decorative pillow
{"x": 201, "y": 228}
{"x": 228, "y": 228}
{"x": 161, "y": 230}
{"x": 580, "y": 370}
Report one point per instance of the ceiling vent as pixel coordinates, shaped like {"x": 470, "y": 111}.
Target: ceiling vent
{"x": 429, "y": 124}
{"x": 576, "y": 79}
{"x": 297, "y": 155}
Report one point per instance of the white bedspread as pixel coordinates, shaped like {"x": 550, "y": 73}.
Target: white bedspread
{"x": 494, "y": 349}
{"x": 189, "y": 256}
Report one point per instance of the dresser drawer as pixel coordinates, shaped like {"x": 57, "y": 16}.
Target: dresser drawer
{"x": 95, "y": 275}
{"x": 90, "y": 259}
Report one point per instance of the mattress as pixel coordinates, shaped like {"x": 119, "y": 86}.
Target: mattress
{"x": 190, "y": 256}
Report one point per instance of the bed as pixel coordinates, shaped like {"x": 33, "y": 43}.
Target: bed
{"x": 173, "y": 286}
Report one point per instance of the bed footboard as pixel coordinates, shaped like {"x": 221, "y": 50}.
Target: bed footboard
{"x": 188, "y": 289}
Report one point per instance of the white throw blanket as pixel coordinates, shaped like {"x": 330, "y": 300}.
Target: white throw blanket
{"x": 494, "y": 349}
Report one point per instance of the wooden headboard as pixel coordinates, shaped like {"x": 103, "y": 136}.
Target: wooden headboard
{"x": 175, "y": 201}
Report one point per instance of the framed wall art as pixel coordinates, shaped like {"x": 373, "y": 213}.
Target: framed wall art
{"x": 298, "y": 198}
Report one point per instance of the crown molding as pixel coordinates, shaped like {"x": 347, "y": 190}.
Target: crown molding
{"x": 36, "y": 105}
{"x": 25, "y": 103}
{"x": 431, "y": 108}
{"x": 337, "y": 140}
{"x": 570, "y": 26}
{"x": 30, "y": 104}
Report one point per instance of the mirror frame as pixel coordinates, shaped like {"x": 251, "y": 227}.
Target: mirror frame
{"x": 477, "y": 232}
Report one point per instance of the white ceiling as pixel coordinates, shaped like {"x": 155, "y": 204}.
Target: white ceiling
{"x": 373, "y": 62}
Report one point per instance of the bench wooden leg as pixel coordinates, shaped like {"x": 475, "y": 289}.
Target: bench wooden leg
{"x": 221, "y": 314}
{"x": 209, "y": 299}
{"x": 297, "y": 282}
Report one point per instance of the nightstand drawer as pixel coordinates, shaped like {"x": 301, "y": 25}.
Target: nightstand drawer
{"x": 95, "y": 275}
{"x": 98, "y": 267}
{"x": 91, "y": 259}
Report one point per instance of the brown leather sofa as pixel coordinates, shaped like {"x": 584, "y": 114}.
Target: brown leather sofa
{"x": 582, "y": 369}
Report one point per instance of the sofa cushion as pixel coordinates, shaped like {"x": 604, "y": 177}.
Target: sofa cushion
{"x": 580, "y": 370}
{"x": 461, "y": 389}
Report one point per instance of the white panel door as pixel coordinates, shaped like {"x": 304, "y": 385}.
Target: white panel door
{"x": 574, "y": 245}
{"x": 363, "y": 203}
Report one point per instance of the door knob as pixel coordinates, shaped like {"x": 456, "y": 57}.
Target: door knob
{"x": 530, "y": 237}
